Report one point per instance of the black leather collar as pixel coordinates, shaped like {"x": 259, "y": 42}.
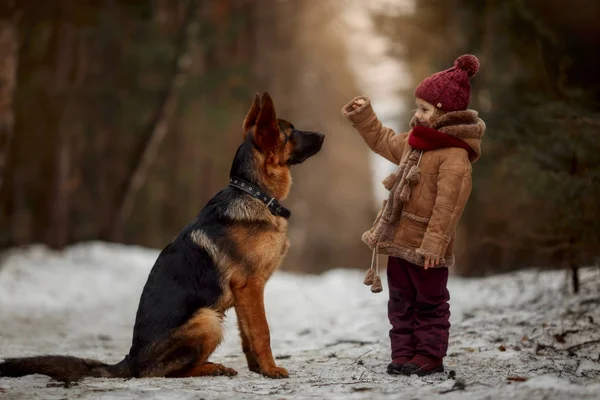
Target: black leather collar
{"x": 271, "y": 202}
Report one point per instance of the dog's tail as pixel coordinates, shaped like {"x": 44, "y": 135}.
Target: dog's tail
{"x": 63, "y": 368}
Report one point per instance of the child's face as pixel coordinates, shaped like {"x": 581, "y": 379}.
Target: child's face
{"x": 424, "y": 111}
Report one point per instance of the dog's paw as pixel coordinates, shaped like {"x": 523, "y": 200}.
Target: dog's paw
{"x": 221, "y": 370}
{"x": 275, "y": 372}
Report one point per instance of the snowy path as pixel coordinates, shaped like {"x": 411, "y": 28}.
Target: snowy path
{"x": 330, "y": 332}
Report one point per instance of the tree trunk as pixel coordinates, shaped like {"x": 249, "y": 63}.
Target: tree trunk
{"x": 58, "y": 227}
{"x": 8, "y": 74}
{"x": 575, "y": 278}
{"x": 572, "y": 241}
{"x": 157, "y": 131}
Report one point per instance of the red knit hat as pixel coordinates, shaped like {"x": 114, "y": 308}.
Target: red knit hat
{"x": 450, "y": 90}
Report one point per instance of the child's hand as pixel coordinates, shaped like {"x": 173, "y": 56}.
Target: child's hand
{"x": 431, "y": 262}
{"x": 358, "y": 103}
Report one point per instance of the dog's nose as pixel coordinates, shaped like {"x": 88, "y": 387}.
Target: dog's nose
{"x": 321, "y": 136}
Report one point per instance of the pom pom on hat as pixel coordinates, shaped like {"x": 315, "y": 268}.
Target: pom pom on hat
{"x": 468, "y": 63}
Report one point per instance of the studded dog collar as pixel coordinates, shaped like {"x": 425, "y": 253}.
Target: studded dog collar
{"x": 271, "y": 202}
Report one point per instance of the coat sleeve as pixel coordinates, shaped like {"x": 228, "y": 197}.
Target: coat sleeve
{"x": 382, "y": 140}
{"x": 453, "y": 191}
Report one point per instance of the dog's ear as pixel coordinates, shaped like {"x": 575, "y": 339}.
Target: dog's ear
{"x": 250, "y": 119}
{"x": 266, "y": 130}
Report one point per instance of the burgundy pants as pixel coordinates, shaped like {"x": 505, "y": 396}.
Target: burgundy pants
{"x": 418, "y": 309}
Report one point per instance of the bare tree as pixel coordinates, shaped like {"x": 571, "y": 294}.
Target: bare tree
{"x": 156, "y": 131}
{"x": 58, "y": 228}
{"x": 8, "y": 71}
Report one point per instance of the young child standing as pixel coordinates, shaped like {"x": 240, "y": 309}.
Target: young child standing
{"x": 427, "y": 195}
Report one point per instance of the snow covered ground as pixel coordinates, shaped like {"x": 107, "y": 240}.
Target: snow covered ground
{"x": 518, "y": 336}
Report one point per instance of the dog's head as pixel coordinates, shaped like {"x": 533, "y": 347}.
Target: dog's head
{"x": 273, "y": 145}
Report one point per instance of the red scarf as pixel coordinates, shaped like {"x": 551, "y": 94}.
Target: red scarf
{"x": 424, "y": 138}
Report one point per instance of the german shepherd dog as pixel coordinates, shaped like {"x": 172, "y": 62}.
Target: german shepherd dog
{"x": 222, "y": 259}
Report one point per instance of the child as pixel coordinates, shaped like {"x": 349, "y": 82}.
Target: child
{"x": 416, "y": 226}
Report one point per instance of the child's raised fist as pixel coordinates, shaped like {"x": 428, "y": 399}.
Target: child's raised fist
{"x": 357, "y": 103}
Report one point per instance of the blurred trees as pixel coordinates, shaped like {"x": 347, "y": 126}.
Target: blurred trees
{"x": 537, "y": 187}
{"x": 119, "y": 119}
{"x": 127, "y": 115}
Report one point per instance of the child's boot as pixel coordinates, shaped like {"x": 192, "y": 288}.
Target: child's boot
{"x": 422, "y": 365}
{"x": 395, "y": 367}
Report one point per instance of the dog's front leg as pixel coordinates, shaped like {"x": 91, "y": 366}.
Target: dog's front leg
{"x": 250, "y": 309}
{"x": 248, "y": 351}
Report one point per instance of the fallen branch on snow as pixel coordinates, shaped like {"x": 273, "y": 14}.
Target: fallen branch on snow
{"x": 580, "y": 345}
{"x": 359, "y": 342}
{"x": 359, "y": 357}
{"x": 340, "y": 383}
